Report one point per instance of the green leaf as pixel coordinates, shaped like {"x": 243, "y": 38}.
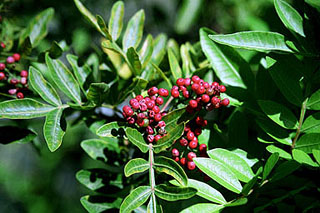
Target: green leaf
{"x": 102, "y": 26}
{"x": 233, "y": 162}
{"x": 314, "y": 3}
{"x": 90, "y": 18}
{"x": 135, "y": 199}
{"x": 187, "y": 64}
{"x": 311, "y": 124}
{"x": 25, "y": 47}
{"x": 172, "y": 168}
{"x": 96, "y": 148}
{"x": 116, "y": 20}
{"x": 226, "y": 70}
{"x": 271, "y": 162}
{"x": 20, "y": 135}
{"x": 238, "y": 202}
{"x": 55, "y": 50}
{"x": 203, "y": 208}
{"x": 91, "y": 178}
{"x": 146, "y": 51}
{"x": 289, "y": 16}
{"x": 134, "y": 31}
{"x": 172, "y": 193}
{"x": 302, "y": 157}
{"x": 220, "y": 173}
{"x": 174, "y": 65}
{"x": 136, "y": 166}
{"x": 167, "y": 140}
{"x": 204, "y": 190}
{"x": 98, "y": 93}
{"x": 159, "y": 49}
{"x": 37, "y": 27}
{"x": 52, "y": 131}
{"x": 175, "y": 117}
{"x": 43, "y": 87}
{"x": 24, "y": 109}
{"x": 308, "y": 142}
{"x": 281, "y": 152}
{"x": 163, "y": 76}
{"x": 64, "y": 79}
{"x": 247, "y": 188}
{"x": 97, "y": 204}
{"x": 316, "y": 155}
{"x": 314, "y": 101}
{"x": 244, "y": 155}
{"x": 153, "y": 206}
{"x": 134, "y": 61}
{"x": 285, "y": 169}
{"x": 253, "y": 40}
{"x": 110, "y": 129}
{"x": 279, "y": 114}
{"x": 81, "y": 73}
{"x": 136, "y": 138}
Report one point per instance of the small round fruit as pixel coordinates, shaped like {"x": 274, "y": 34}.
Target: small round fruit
{"x": 190, "y": 136}
{"x": 196, "y": 79}
{"x": 193, "y": 104}
{"x": 183, "y": 142}
{"x": 175, "y": 152}
{"x": 2, "y": 66}
{"x": 225, "y": 102}
{"x": 10, "y": 60}
{"x": 191, "y": 165}
{"x": 183, "y": 161}
{"x": 2, "y": 76}
{"x": 191, "y": 155}
{"x": 180, "y": 82}
{"x": 175, "y": 93}
{"x": 193, "y": 144}
{"x": 203, "y": 148}
{"x": 163, "y": 92}
{"x": 16, "y": 56}
{"x": 222, "y": 89}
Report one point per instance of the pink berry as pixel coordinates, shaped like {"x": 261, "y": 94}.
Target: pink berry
{"x": 2, "y": 45}
{"x": 10, "y": 60}
{"x": 156, "y": 109}
{"x": 157, "y": 137}
{"x": 159, "y": 100}
{"x": 149, "y": 130}
{"x": 23, "y": 80}
{"x": 2, "y": 76}
{"x": 150, "y": 138}
{"x": 190, "y": 136}
{"x": 195, "y": 79}
{"x": 157, "y": 117}
{"x": 12, "y": 91}
{"x": 186, "y": 94}
{"x": 187, "y": 82}
{"x": 175, "y": 152}
{"x": 2, "y": 66}
{"x": 139, "y": 97}
{"x": 163, "y": 92}
{"x": 24, "y": 73}
{"x": 183, "y": 142}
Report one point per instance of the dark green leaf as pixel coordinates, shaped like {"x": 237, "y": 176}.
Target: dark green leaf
{"x": 55, "y": 50}
{"x": 136, "y": 138}
{"x": 220, "y": 173}
{"x": 314, "y": 3}
{"x": 203, "y": 208}
{"x": 285, "y": 169}
{"x": 52, "y": 131}
{"x": 314, "y": 101}
{"x": 302, "y": 157}
{"x": 167, "y": 140}
{"x": 102, "y": 26}
{"x": 136, "y": 165}
{"x": 98, "y": 93}
{"x": 279, "y": 114}
{"x": 96, "y": 148}
{"x": 311, "y": 124}
{"x": 274, "y": 131}
{"x": 25, "y": 47}
{"x": 308, "y": 142}
{"x": 135, "y": 199}
{"x": 282, "y": 153}
{"x": 171, "y": 193}
{"x": 134, "y": 31}
{"x": 110, "y": 129}
{"x": 170, "y": 167}
{"x": 116, "y": 20}
{"x": 289, "y": 16}
{"x": 253, "y": 40}
{"x": 64, "y": 79}
{"x": 271, "y": 162}
{"x": 134, "y": 61}
{"x": 24, "y": 109}
{"x": 43, "y": 87}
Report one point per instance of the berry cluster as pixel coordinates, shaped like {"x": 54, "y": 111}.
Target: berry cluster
{"x": 144, "y": 112}
{"x": 188, "y": 144}
{"x": 15, "y": 84}
{"x": 201, "y": 93}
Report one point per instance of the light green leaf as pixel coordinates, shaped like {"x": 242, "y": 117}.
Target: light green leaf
{"x": 233, "y": 162}
{"x": 314, "y": 101}
{"x": 24, "y": 109}
{"x": 98, "y": 93}
{"x": 311, "y": 124}
{"x": 172, "y": 193}
{"x": 163, "y": 76}
{"x": 134, "y": 31}
{"x": 110, "y": 129}
{"x": 238, "y": 202}
{"x": 253, "y": 40}
{"x": 64, "y": 79}
{"x": 174, "y": 65}
{"x": 153, "y": 206}
{"x": 203, "y": 208}
{"x": 175, "y": 117}
{"x": 43, "y": 87}
{"x": 289, "y": 16}
{"x": 172, "y": 168}
{"x": 279, "y": 114}
{"x": 37, "y": 27}
{"x": 174, "y": 46}
{"x": 116, "y": 20}
{"x": 96, "y": 148}
{"x": 93, "y": 204}
{"x": 167, "y": 140}
{"x": 220, "y": 173}
{"x": 308, "y": 142}
{"x": 187, "y": 64}
{"x": 302, "y": 157}
{"x": 316, "y": 155}
{"x": 52, "y": 131}
{"x": 146, "y": 51}
{"x": 134, "y": 61}
{"x": 92, "y": 178}
{"x": 81, "y": 73}
{"x": 135, "y": 199}
{"x": 226, "y": 70}
{"x": 136, "y": 138}
{"x": 282, "y": 153}
{"x": 136, "y": 165}
{"x": 244, "y": 155}
{"x": 271, "y": 162}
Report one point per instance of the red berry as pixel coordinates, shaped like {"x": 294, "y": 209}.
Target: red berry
{"x": 183, "y": 161}
{"x": 195, "y": 86}
{"x": 16, "y": 56}
{"x": 175, "y": 93}
{"x": 151, "y": 114}
{"x": 203, "y": 148}
{"x": 175, "y": 87}
{"x": 152, "y": 91}
{"x": 133, "y": 100}
{"x": 143, "y": 107}
{"x": 193, "y": 144}
{"x": 20, "y": 95}
{"x": 157, "y": 117}
{"x": 200, "y": 90}
{"x": 185, "y": 94}
{"x": 2, "y": 45}
{"x": 10, "y": 60}
{"x": 196, "y": 79}
{"x": 131, "y": 120}
{"x": 163, "y": 92}
{"x": 164, "y": 113}
{"x": 190, "y": 136}
{"x": 175, "y": 152}
{"x": 187, "y": 128}
{"x": 156, "y": 109}
{"x": 135, "y": 105}
{"x": 2, "y": 76}
{"x": 206, "y": 85}
{"x": 197, "y": 131}
{"x": 176, "y": 159}
{"x": 206, "y": 178}
{"x": 205, "y": 98}
{"x": 215, "y": 100}
{"x": 139, "y": 97}
{"x": 215, "y": 84}
{"x": 161, "y": 124}
{"x": 225, "y": 102}
{"x": 193, "y": 103}
{"x": 159, "y": 100}
{"x": 14, "y": 81}
{"x": 187, "y": 82}
{"x": 183, "y": 142}
{"x": 182, "y": 88}
{"x": 191, "y": 165}
{"x": 149, "y": 130}
{"x": 157, "y": 137}
{"x": 191, "y": 155}
{"x": 222, "y": 89}
{"x": 12, "y": 91}
{"x": 150, "y": 104}
{"x": 150, "y": 138}
{"x": 2, "y": 66}
{"x": 180, "y": 82}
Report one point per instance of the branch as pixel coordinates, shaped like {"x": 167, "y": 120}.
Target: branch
{"x": 303, "y": 111}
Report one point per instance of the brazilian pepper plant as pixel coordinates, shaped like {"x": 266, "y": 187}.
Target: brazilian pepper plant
{"x": 228, "y": 123}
